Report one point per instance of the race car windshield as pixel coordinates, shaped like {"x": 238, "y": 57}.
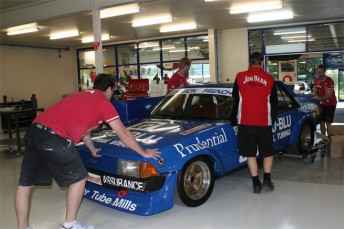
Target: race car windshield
{"x": 194, "y": 106}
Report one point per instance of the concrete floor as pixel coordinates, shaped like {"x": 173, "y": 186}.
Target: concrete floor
{"x": 307, "y": 195}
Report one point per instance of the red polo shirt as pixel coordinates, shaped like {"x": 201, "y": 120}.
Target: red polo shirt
{"x": 75, "y": 114}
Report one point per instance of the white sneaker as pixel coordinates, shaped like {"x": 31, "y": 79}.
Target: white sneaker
{"x": 79, "y": 225}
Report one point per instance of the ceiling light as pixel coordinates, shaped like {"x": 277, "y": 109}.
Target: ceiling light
{"x": 120, "y": 10}
{"x": 24, "y": 30}
{"x": 294, "y": 41}
{"x": 178, "y": 27}
{"x": 73, "y": 33}
{"x": 294, "y": 37}
{"x": 148, "y": 44}
{"x": 152, "y": 21}
{"x": 164, "y": 48}
{"x": 105, "y": 37}
{"x": 271, "y": 16}
{"x": 238, "y": 8}
{"x": 289, "y": 31}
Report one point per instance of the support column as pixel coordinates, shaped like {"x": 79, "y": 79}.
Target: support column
{"x": 213, "y": 63}
{"x": 97, "y": 30}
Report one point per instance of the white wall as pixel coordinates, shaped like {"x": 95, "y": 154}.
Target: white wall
{"x": 232, "y": 53}
{"x": 27, "y": 71}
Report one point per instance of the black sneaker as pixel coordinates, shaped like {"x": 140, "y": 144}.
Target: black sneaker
{"x": 257, "y": 187}
{"x": 268, "y": 185}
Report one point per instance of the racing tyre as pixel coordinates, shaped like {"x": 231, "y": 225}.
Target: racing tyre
{"x": 196, "y": 182}
{"x": 306, "y": 138}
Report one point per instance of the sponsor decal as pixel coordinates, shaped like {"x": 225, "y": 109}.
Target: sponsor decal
{"x": 308, "y": 108}
{"x": 197, "y": 128}
{"x": 212, "y": 91}
{"x": 118, "y": 202}
{"x": 214, "y": 140}
{"x": 124, "y": 183}
{"x": 94, "y": 178}
{"x": 282, "y": 126}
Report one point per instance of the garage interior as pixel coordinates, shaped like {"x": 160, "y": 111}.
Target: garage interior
{"x": 307, "y": 195}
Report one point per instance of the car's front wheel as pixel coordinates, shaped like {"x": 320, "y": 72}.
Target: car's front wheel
{"x": 196, "y": 182}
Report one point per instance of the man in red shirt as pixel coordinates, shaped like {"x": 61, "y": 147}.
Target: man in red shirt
{"x": 323, "y": 91}
{"x": 50, "y": 151}
{"x": 179, "y": 78}
{"x": 256, "y": 101}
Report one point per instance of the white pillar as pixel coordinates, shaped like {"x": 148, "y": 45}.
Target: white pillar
{"x": 97, "y": 30}
{"x": 213, "y": 63}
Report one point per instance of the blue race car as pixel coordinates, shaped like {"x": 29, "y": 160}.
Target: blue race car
{"x": 198, "y": 144}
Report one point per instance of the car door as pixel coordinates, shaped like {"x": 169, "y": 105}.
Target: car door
{"x": 286, "y": 118}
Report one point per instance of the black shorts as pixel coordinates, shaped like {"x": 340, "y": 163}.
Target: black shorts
{"x": 253, "y": 139}
{"x": 48, "y": 156}
{"x": 327, "y": 113}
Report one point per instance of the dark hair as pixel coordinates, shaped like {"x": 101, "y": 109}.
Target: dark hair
{"x": 184, "y": 62}
{"x": 256, "y": 58}
{"x": 321, "y": 66}
{"x": 103, "y": 81}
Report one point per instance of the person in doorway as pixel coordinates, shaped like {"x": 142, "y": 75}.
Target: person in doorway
{"x": 323, "y": 91}
{"x": 156, "y": 78}
{"x": 50, "y": 151}
{"x": 256, "y": 103}
{"x": 166, "y": 79}
{"x": 179, "y": 78}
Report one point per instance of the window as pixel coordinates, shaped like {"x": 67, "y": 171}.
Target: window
{"x": 173, "y": 49}
{"x": 127, "y": 54}
{"x": 198, "y": 47}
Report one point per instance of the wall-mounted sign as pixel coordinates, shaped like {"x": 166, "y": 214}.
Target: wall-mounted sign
{"x": 334, "y": 60}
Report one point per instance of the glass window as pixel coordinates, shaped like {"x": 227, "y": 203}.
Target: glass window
{"x": 306, "y": 69}
{"x": 198, "y": 47}
{"x": 273, "y": 69}
{"x": 126, "y": 73}
{"x": 199, "y": 72}
{"x": 127, "y": 54}
{"x": 149, "y": 51}
{"x": 109, "y": 56}
{"x": 86, "y": 58}
{"x": 173, "y": 49}
{"x": 255, "y": 41}
{"x": 284, "y": 40}
{"x": 87, "y": 77}
{"x": 326, "y": 37}
{"x": 148, "y": 71}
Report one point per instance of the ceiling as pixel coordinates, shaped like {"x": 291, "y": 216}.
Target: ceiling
{"x": 57, "y": 15}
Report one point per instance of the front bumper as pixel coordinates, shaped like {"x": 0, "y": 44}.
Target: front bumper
{"x": 133, "y": 201}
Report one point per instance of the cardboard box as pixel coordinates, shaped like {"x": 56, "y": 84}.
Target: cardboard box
{"x": 336, "y": 129}
{"x": 337, "y": 146}
{"x": 336, "y": 132}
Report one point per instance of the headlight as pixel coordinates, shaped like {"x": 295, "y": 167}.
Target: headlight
{"x": 136, "y": 169}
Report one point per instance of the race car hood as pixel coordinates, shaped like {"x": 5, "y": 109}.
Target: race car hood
{"x": 150, "y": 133}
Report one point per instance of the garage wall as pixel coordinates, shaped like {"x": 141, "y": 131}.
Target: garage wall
{"x": 232, "y": 53}
{"x": 27, "y": 71}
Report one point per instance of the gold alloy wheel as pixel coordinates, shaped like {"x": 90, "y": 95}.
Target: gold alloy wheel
{"x": 197, "y": 180}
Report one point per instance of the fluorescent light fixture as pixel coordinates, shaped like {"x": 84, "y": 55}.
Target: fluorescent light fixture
{"x": 120, "y": 10}
{"x": 304, "y": 40}
{"x": 72, "y": 33}
{"x": 178, "y": 27}
{"x": 152, "y": 21}
{"x": 271, "y": 16}
{"x": 295, "y": 37}
{"x": 26, "y": 28}
{"x": 105, "y": 37}
{"x": 289, "y": 31}
{"x": 178, "y": 50}
{"x": 164, "y": 48}
{"x": 238, "y": 8}
{"x": 148, "y": 44}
